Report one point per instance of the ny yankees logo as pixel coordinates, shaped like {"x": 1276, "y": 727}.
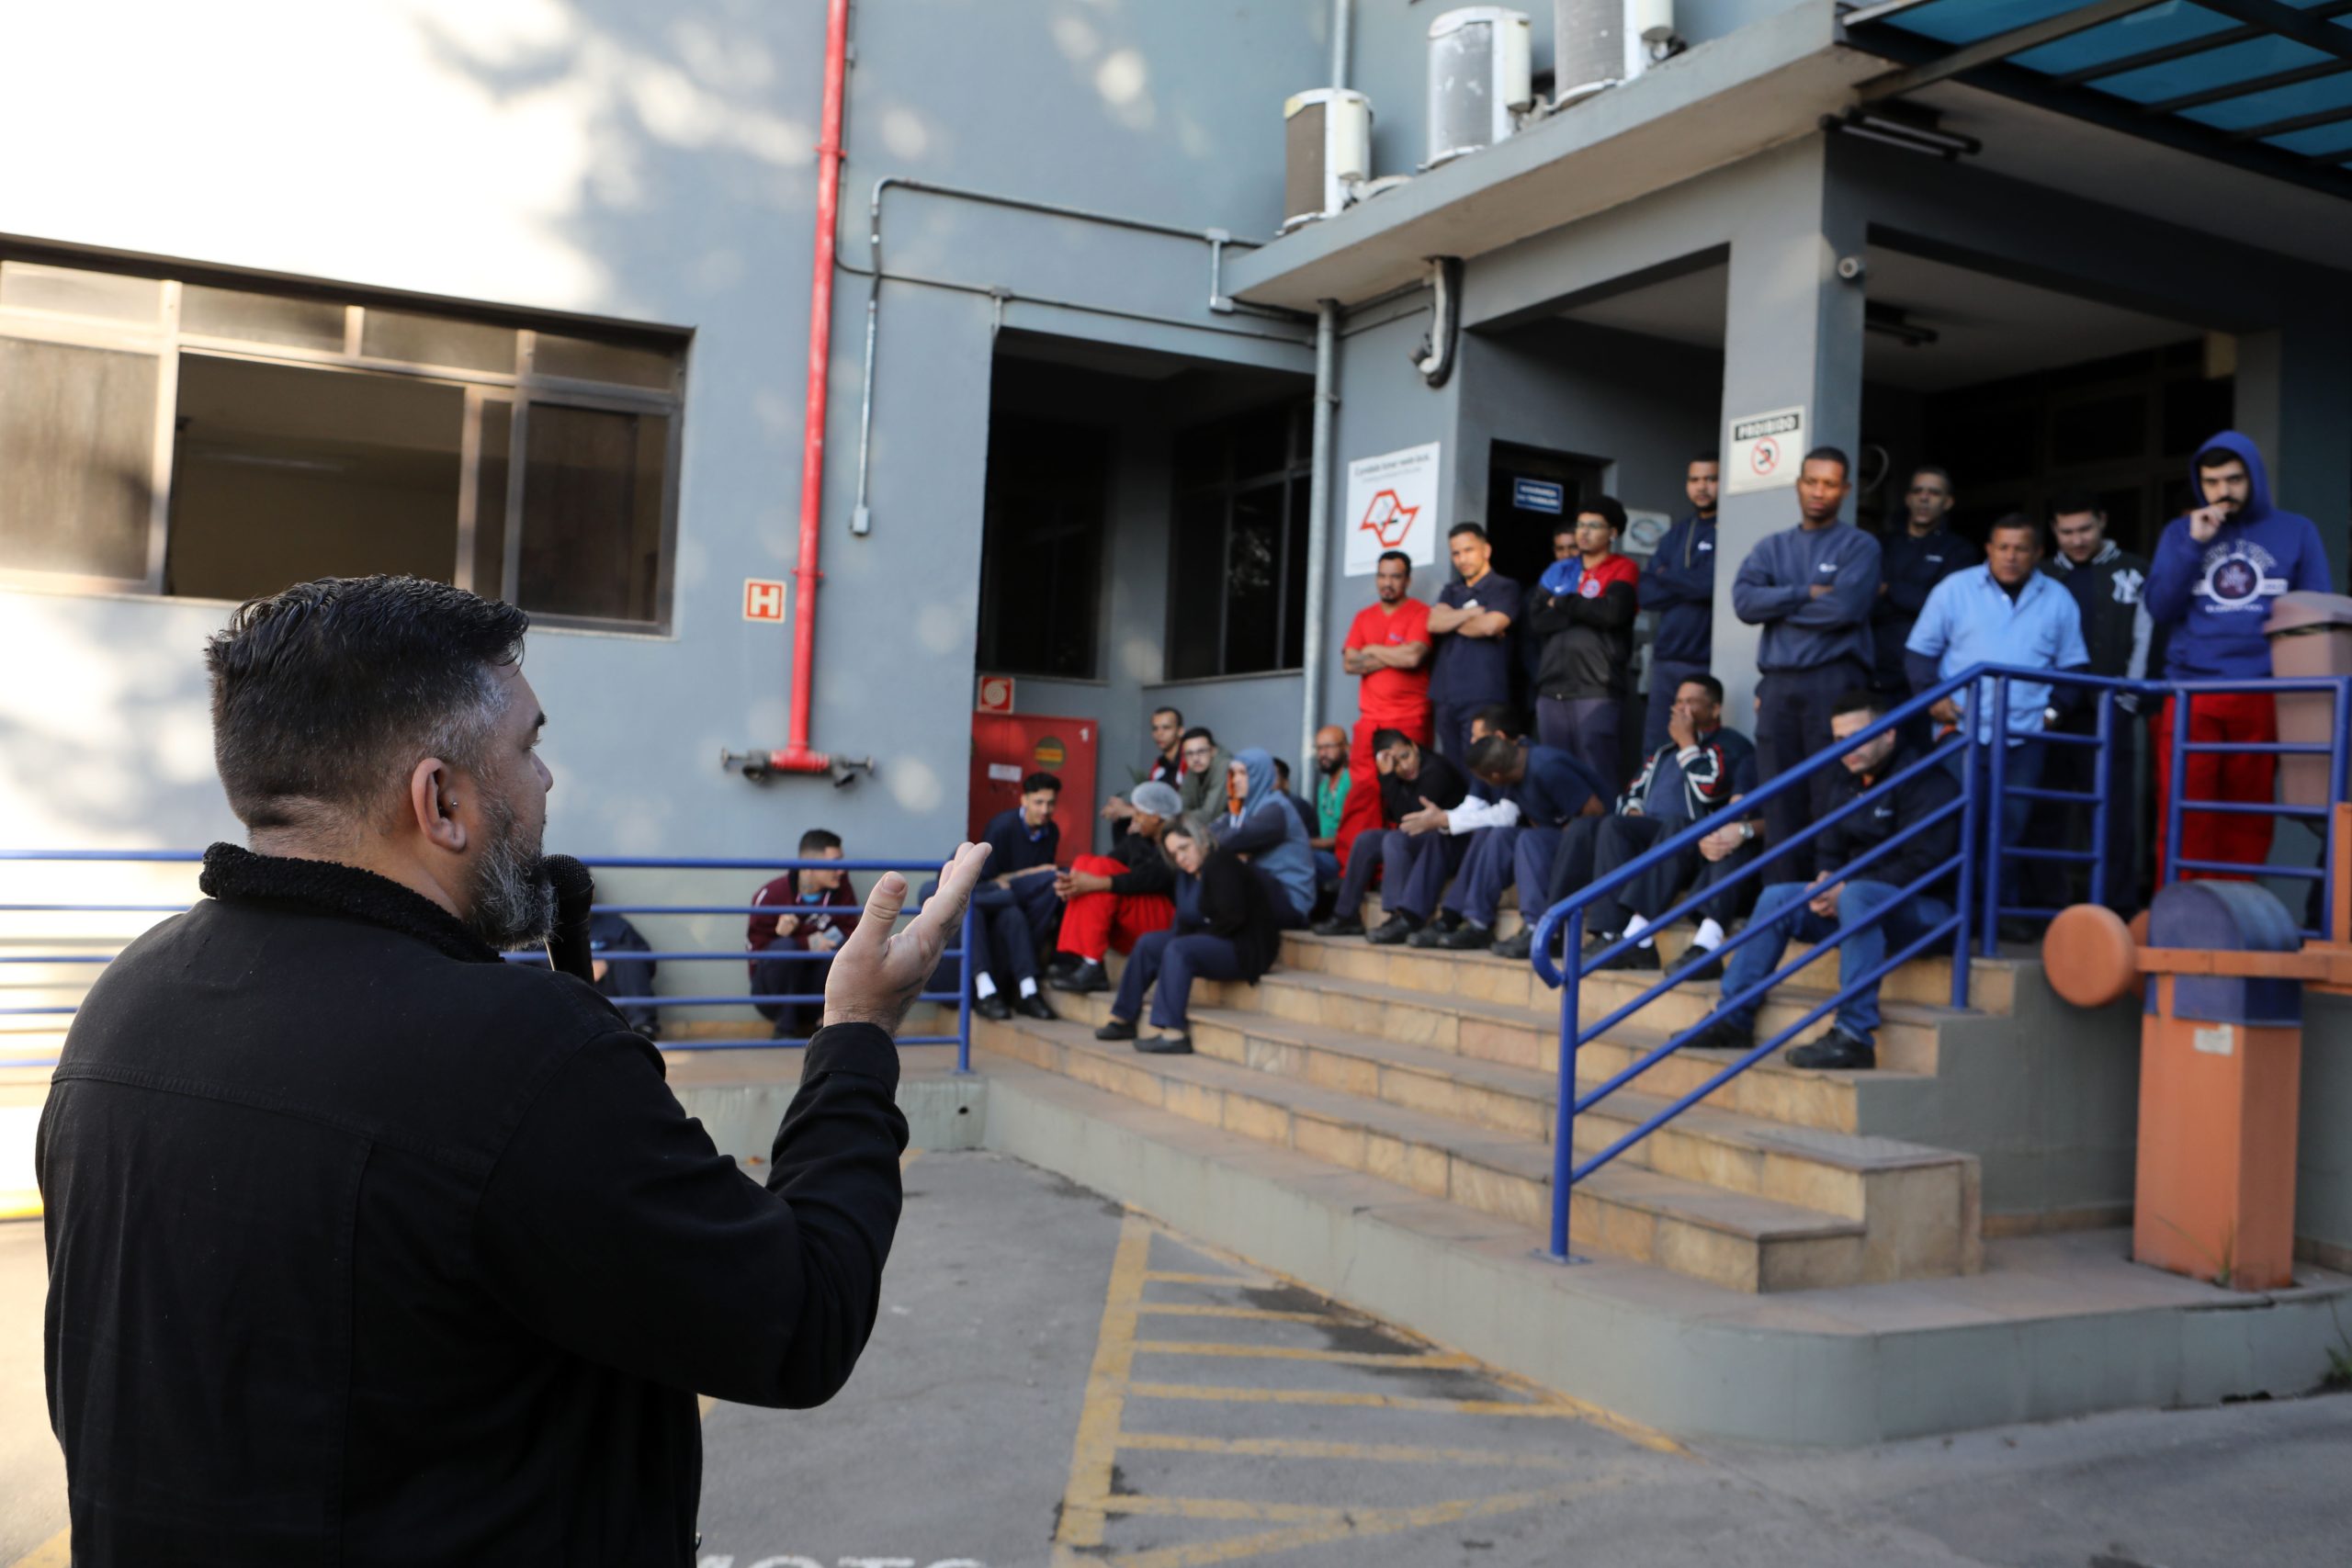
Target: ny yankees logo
{"x": 2125, "y": 585}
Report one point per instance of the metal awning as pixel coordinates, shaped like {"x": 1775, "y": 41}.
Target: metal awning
{"x": 2266, "y": 84}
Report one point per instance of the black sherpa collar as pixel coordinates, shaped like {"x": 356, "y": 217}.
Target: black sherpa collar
{"x": 237, "y": 876}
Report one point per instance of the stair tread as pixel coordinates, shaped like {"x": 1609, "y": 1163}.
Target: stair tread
{"x": 1845, "y": 1151}
{"x": 1509, "y": 1013}
{"x": 1734, "y": 1214}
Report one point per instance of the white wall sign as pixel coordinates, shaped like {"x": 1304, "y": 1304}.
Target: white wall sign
{"x": 1392, "y": 505}
{"x": 1764, "y": 451}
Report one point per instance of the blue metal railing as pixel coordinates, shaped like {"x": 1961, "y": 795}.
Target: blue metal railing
{"x": 1982, "y": 742}
{"x": 961, "y": 1038}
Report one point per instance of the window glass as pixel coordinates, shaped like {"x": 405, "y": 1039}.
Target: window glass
{"x": 592, "y": 485}
{"x": 584, "y": 360}
{"x": 65, "y": 291}
{"x": 436, "y": 339}
{"x": 283, "y": 473}
{"x": 1046, "y": 509}
{"x": 1236, "y": 576}
{"x": 261, "y": 318}
{"x": 489, "y": 498}
{"x": 1253, "y": 572}
{"x": 77, "y": 436}
{"x": 1195, "y": 581}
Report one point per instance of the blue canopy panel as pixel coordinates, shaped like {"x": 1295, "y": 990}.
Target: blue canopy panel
{"x": 2264, "y": 84}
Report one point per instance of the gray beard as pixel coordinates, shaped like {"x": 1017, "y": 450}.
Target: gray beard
{"x": 513, "y": 902}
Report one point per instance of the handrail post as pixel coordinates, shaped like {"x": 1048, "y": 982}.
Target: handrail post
{"x": 2174, "y": 815}
{"x": 2103, "y": 783}
{"x": 1971, "y": 796}
{"x": 1563, "y": 1120}
{"x": 2339, "y": 789}
{"x": 963, "y": 996}
{"x": 1996, "y": 812}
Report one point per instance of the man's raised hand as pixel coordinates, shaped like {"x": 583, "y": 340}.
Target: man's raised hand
{"x": 878, "y": 972}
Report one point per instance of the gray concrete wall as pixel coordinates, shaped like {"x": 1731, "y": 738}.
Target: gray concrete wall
{"x": 2323, "y": 1140}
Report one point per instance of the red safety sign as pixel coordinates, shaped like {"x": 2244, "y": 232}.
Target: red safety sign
{"x": 762, "y": 599}
{"x": 996, "y": 694}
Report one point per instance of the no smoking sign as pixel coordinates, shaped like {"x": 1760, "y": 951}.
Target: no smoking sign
{"x": 1762, "y": 450}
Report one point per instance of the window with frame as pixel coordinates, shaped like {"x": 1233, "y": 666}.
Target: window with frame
{"x": 1045, "y": 511}
{"x": 1236, "y": 576}
{"x": 200, "y": 437}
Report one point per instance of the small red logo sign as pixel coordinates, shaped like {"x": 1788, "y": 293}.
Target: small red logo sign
{"x": 762, "y": 599}
{"x": 1389, "y": 519}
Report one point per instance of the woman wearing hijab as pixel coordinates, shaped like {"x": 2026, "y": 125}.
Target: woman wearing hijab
{"x": 1225, "y": 930}
{"x": 1261, "y": 824}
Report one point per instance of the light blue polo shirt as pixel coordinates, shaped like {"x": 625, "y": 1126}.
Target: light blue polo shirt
{"x": 1969, "y": 619}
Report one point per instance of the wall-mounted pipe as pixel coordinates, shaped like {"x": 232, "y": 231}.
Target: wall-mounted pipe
{"x": 1434, "y": 358}
{"x": 797, "y": 757}
{"x": 1319, "y": 478}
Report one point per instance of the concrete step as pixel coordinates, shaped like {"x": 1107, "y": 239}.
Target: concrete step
{"x": 1772, "y": 1091}
{"x": 1992, "y": 982}
{"x": 1734, "y": 1240}
{"x": 1858, "y": 1177}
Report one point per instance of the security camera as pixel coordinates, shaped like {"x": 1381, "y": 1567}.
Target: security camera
{"x": 1852, "y": 268}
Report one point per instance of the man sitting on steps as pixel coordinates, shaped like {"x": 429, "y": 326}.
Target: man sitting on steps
{"x": 1113, "y": 899}
{"x": 1817, "y": 910}
{"x": 1414, "y": 864}
{"x": 1547, "y": 788}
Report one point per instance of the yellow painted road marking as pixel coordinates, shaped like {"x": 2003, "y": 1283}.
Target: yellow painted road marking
{"x": 1355, "y": 1401}
{"x": 1427, "y": 1360}
{"x": 57, "y": 1552}
{"x": 1097, "y": 1423}
{"x": 1357, "y": 1524}
{"x": 1310, "y": 1448}
{"x": 1258, "y": 1314}
{"x": 1181, "y": 1277}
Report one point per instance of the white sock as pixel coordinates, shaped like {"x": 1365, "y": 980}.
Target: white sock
{"x": 1636, "y": 925}
{"x": 1029, "y": 986}
{"x": 984, "y": 985}
{"x": 1711, "y": 934}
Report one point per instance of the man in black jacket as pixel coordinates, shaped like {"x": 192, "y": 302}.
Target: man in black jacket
{"x": 1817, "y": 910}
{"x": 366, "y": 1248}
{"x": 1414, "y": 864}
{"x": 2106, "y": 580}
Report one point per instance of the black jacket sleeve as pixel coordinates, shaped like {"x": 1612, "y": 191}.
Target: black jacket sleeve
{"x": 1548, "y": 613}
{"x": 1148, "y": 870}
{"x": 1611, "y": 610}
{"x": 1922, "y": 854}
{"x": 1224, "y": 900}
{"x": 612, "y": 1225}
{"x": 1259, "y": 831}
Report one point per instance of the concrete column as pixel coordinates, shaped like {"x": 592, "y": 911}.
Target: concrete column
{"x": 1792, "y": 336}
{"x": 2294, "y": 396}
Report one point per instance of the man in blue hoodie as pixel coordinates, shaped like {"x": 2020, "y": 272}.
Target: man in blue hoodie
{"x": 2216, "y": 577}
{"x": 1261, "y": 824}
{"x": 1812, "y": 589}
{"x": 1678, "y": 588}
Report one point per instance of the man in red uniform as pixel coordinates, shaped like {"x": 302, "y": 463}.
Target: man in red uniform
{"x": 1389, "y": 647}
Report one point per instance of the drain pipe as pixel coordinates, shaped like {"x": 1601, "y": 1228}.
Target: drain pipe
{"x": 797, "y": 757}
{"x": 1319, "y": 481}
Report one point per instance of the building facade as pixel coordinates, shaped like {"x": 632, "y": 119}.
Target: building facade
{"x": 520, "y": 295}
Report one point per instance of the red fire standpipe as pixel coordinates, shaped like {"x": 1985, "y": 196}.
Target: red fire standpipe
{"x": 796, "y": 757}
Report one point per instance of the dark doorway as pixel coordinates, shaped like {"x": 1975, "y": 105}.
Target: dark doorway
{"x": 1041, "y": 555}
{"x": 1529, "y": 492}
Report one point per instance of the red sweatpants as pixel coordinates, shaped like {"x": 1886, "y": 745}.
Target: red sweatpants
{"x": 2248, "y": 718}
{"x": 1095, "y": 923}
{"x": 1360, "y": 813}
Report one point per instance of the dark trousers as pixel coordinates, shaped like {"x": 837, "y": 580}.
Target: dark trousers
{"x": 1487, "y": 869}
{"x": 1175, "y": 960}
{"x": 1572, "y": 853}
{"x": 1415, "y": 869}
{"x": 1665, "y": 679}
{"x": 1002, "y": 943}
{"x": 2064, "y": 825}
{"x": 1585, "y": 728}
{"x": 781, "y": 975}
{"x": 1792, "y": 724}
{"x": 1454, "y": 729}
{"x": 2021, "y": 770}
{"x": 1623, "y": 840}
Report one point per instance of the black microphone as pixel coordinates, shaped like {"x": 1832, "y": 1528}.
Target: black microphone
{"x": 568, "y": 944}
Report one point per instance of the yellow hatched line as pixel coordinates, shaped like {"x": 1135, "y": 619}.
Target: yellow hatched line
{"x": 1426, "y": 1361}
{"x": 1257, "y": 1315}
{"x": 1082, "y": 1518}
{"x": 1352, "y": 1401}
{"x": 1369, "y": 1453}
{"x": 1183, "y": 1277}
{"x": 57, "y": 1552}
{"x": 1356, "y": 1525}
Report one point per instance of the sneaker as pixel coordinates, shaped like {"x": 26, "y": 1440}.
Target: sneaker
{"x": 1167, "y": 1045}
{"x": 1338, "y": 926}
{"x": 1519, "y": 944}
{"x": 1723, "y": 1034}
{"x": 1086, "y": 974}
{"x": 1393, "y": 931}
{"x": 1117, "y": 1029}
{"x": 1837, "y": 1050}
{"x": 1467, "y": 937}
{"x": 1035, "y": 1005}
{"x": 992, "y": 1007}
{"x": 1637, "y": 957}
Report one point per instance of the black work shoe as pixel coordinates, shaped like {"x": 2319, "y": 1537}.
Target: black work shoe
{"x": 1063, "y": 962}
{"x": 1393, "y": 931}
{"x": 1338, "y": 926}
{"x": 1467, "y": 937}
{"x": 1836, "y": 1050}
{"x": 1086, "y": 974}
{"x": 1519, "y": 944}
{"x": 1700, "y": 964}
{"x": 1166, "y": 1045}
{"x": 1117, "y": 1029}
{"x": 1723, "y": 1034}
{"x": 1035, "y": 1005}
{"x": 992, "y": 1007}
{"x": 1636, "y": 957}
